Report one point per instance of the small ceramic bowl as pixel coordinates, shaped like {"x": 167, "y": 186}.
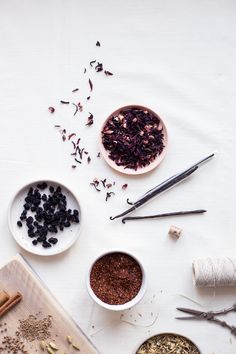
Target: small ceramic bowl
{"x": 141, "y": 170}
{"x": 66, "y": 238}
{"x": 166, "y": 333}
{"x": 128, "y": 304}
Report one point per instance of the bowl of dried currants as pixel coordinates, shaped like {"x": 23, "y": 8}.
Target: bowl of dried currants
{"x": 133, "y": 140}
{"x": 116, "y": 280}
{"x": 44, "y": 217}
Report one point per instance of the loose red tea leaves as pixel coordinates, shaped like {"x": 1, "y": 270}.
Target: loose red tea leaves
{"x": 108, "y": 73}
{"x": 98, "y": 44}
{"x": 133, "y": 138}
{"x": 85, "y": 70}
{"x": 51, "y": 109}
{"x": 89, "y": 159}
{"x": 65, "y": 102}
{"x": 88, "y": 98}
{"x": 124, "y": 186}
{"x": 76, "y": 89}
{"x": 90, "y": 85}
{"x": 116, "y": 278}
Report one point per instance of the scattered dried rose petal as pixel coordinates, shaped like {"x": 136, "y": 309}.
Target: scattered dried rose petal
{"x": 90, "y": 119}
{"x": 80, "y": 107}
{"x": 103, "y": 181}
{"x": 107, "y": 73}
{"x": 90, "y": 85}
{"x": 51, "y": 109}
{"x": 96, "y": 181}
{"x": 95, "y": 186}
{"x": 71, "y": 135}
{"x": 108, "y": 195}
{"x": 76, "y": 108}
{"x": 92, "y": 62}
{"x": 99, "y": 67}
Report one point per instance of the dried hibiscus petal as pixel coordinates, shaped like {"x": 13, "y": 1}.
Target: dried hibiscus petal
{"x": 51, "y": 109}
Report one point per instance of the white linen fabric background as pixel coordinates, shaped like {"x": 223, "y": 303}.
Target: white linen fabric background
{"x": 176, "y": 57}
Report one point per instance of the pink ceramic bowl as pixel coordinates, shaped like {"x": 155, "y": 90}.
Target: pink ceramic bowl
{"x": 141, "y": 170}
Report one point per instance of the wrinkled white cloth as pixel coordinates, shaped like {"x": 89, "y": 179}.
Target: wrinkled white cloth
{"x": 176, "y": 57}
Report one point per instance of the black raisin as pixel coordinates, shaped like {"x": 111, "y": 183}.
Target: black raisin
{"x": 53, "y": 240}
{"x": 51, "y": 189}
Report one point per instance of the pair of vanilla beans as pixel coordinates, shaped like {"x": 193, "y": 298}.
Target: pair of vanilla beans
{"x": 167, "y": 184}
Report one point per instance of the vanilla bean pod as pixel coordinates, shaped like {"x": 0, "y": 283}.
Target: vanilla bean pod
{"x": 175, "y": 213}
{"x": 167, "y": 184}
{"x": 157, "y": 190}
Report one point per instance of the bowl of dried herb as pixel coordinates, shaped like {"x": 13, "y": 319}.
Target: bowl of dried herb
{"x": 133, "y": 140}
{"x": 165, "y": 343}
{"x": 116, "y": 280}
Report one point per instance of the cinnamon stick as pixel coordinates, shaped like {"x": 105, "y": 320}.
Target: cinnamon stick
{"x": 3, "y": 297}
{"x": 9, "y": 304}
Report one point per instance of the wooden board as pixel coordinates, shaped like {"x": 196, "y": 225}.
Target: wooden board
{"x": 17, "y": 275}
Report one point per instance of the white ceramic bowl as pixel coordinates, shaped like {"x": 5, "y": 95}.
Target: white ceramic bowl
{"x": 128, "y": 304}
{"x": 65, "y": 239}
{"x": 165, "y": 333}
{"x": 141, "y": 170}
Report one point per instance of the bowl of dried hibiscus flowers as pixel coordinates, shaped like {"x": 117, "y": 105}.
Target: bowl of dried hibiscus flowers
{"x": 133, "y": 140}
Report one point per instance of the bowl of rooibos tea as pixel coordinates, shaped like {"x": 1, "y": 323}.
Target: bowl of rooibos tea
{"x": 116, "y": 281}
{"x": 133, "y": 140}
{"x": 166, "y": 343}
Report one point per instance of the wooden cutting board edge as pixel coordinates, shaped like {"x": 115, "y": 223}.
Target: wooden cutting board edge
{"x": 47, "y": 294}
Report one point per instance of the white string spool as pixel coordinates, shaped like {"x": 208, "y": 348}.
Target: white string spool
{"x": 214, "y": 272}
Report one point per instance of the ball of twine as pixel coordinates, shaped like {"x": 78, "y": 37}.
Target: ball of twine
{"x": 214, "y": 272}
